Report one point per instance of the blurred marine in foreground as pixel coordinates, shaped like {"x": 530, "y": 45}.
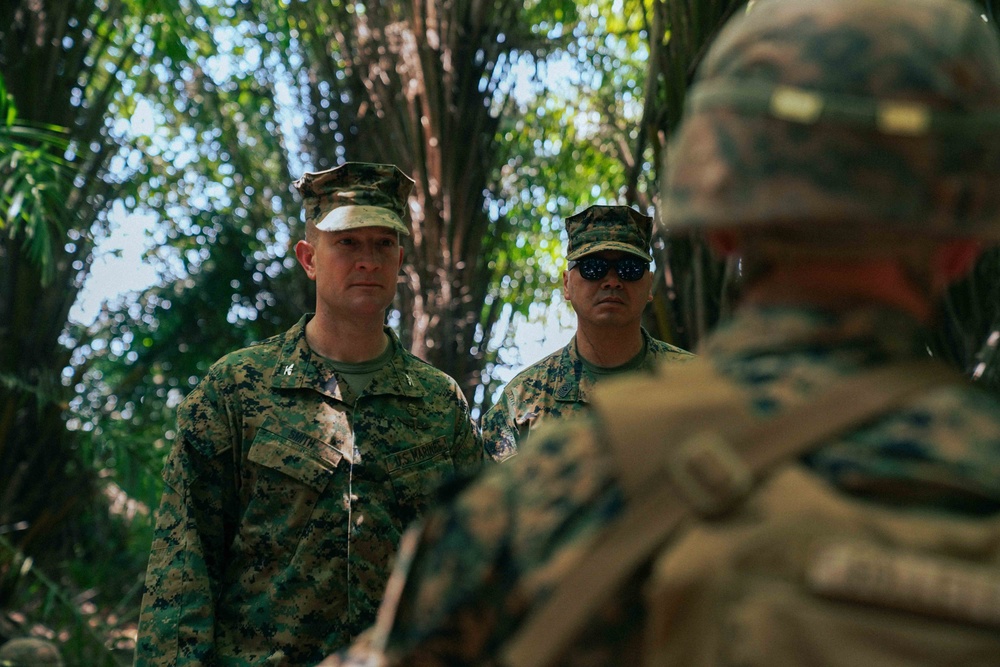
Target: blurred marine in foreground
{"x": 817, "y": 491}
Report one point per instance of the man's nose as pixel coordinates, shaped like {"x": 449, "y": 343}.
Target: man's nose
{"x": 368, "y": 256}
{"x": 611, "y": 280}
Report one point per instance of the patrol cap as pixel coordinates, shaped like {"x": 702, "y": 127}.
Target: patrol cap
{"x": 846, "y": 115}
{"x": 29, "y": 652}
{"x": 356, "y": 194}
{"x": 599, "y": 228}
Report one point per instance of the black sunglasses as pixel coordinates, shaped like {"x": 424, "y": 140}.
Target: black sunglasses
{"x": 628, "y": 268}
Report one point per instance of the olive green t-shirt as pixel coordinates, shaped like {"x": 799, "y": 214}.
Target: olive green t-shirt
{"x": 598, "y": 373}
{"x": 355, "y": 378}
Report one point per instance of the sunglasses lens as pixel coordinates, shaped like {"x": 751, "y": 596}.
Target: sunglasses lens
{"x": 593, "y": 268}
{"x": 630, "y": 269}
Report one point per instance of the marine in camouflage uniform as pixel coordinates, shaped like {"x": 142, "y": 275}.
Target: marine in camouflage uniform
{"x": 560, "y": 385}
{"x": 293, "y": 475}
{"x": 849, "y": 121}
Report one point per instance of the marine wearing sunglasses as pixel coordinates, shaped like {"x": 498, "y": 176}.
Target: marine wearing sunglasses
{"x": 608, "y": 290}
{"x": 593, "y": 267}
{"x": 608, "y": 283}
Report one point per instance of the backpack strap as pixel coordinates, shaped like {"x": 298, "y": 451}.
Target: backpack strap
{"x": 685, "y": 444}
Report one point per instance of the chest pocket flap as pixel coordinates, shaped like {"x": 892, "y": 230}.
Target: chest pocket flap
{"x": 291, "y": 452}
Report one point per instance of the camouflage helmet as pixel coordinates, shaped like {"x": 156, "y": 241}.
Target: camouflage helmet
{"x": 843, "y": 114}
{"x": 356, "y": 194}
{"x": 29, "y": 652}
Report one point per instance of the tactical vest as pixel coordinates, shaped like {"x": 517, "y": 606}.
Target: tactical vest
{"x": 755, "y": 561}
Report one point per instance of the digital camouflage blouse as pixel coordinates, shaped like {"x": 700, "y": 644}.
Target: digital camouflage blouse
{"x": 284, "y": 502}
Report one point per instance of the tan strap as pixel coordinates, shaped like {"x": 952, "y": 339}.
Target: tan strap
{"x": 704, "y": 466}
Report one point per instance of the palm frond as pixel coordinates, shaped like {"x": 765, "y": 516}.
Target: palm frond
{"x": 35, "y": 178}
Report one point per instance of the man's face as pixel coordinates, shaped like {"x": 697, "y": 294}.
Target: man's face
{"x": 609, "y": 301}
{"x": 355, "y": 270}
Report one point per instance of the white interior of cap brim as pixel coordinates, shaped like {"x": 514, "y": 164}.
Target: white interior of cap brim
{"x": 352, "y": 217}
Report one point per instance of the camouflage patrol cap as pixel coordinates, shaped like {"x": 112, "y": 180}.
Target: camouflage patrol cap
{"x": 29, "y": 652}
{"x": 599, "y": 228}
{"x": 843, "y": 114}
{"x": 356, "y": 194}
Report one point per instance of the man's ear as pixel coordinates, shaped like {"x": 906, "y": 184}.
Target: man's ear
{"x": 566, "y": 288}
{"x": 723, "y": 242}
{"x": 952, "y": 259}
{"x": 306, "y": 254}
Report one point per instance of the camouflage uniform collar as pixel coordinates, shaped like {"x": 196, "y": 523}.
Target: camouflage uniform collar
{"x": 297, "y": 367}
{"x": 769, "y": 328}
{"x": 396, "y": 377}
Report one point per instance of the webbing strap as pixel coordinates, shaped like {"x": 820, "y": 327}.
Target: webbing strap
{"x": 642, "y": 441}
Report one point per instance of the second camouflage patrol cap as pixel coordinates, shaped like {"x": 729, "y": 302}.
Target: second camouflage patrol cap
{"x": 599, "y": 228}
{"x": 356, "y": 194}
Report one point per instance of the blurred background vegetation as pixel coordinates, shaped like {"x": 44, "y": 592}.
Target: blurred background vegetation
{"x": 197, "y": 115}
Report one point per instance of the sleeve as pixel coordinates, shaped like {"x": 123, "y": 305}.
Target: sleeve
{"x": 453, "y": 580}
{"x": 468, "y": 446}
{"x": 500, "y": 430}
{"x": 193, "y": 531}
{"x": 440, "y": 605}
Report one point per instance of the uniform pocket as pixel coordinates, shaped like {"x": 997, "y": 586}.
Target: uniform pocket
{"x": 292, "y": 473}
{"x": 295, "y": 454}
{"x": 417, "y": 474}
